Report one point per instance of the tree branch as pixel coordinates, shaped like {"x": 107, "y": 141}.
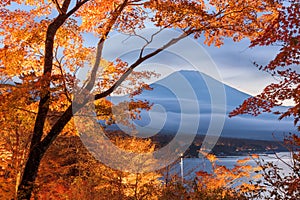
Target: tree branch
{"x": 59, "y": 65}
{"x": 57, "y": 6}
{"x": 74, "y": 107}
{"x": 138, "y": 62}
{"x": 65, "y": 6}
{"x": 115, "y": 16}
{"x": 46, "y": 78}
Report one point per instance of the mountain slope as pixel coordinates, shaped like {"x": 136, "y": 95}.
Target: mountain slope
{"x": 189, "y": 101}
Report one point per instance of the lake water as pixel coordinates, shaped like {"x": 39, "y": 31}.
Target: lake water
{"x": 192, "y": 165}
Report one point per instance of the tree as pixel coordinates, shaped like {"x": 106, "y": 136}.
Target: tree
{"x": 223, "y": 183}
{"x": 14, "y": 142}
{"x": 69, "y": 171}
{"x": 281, "y": 180}
{"x": 43, "y": 47}
{"x": 215, "y": 182}
{"x": 284, "y": 31}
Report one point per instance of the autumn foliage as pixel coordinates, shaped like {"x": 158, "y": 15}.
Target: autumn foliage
{"x": 227, "y": 183}
{"x": 44, "y": 46}
{"x": 284, "y": 31}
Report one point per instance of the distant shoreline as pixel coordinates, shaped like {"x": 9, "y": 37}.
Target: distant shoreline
{"x": 259, "y": 154}
{"x": 223, "y": 148}
{"x": 227, "y": 146}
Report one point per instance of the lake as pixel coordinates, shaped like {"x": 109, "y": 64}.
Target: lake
{"x": 192, "y": 165}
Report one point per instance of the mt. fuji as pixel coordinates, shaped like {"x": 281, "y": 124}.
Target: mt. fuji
{"x": 189, "y": 101}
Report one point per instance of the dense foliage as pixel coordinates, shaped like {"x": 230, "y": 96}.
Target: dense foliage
{"x": 43, "y": 47}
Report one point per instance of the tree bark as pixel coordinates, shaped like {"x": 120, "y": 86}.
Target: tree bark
{"x": 37, "y": 152}
{"x": 31, "y": 168}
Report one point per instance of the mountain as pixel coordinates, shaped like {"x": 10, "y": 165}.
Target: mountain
{"x": 189, "y": 101}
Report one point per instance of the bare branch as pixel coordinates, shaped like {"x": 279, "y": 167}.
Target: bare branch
{"x": 150, "y": 41}
{"x": 287, "y": 164}
{"x": 138, "y": 62}
{"x": 76, "y": 7}
{"x": 57, "y": 6}
{"x": 59, "y": 65}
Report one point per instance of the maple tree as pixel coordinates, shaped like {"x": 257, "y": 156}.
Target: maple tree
{"x": 14, "y": 142}
{"x": 227, "y": 183}
{"x": 42, "y": 49}
{"x": 69, "y": 171}
{"x": 215, "y": 182}
{"x": 284, "y": 31}
{"x": 73, "y": 173}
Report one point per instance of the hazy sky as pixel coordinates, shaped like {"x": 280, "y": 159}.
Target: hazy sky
{"x": 235, "y": 63}
{"x": 232, "y": 63}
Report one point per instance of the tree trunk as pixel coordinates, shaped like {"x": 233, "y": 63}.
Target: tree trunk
{"x": 37, "y": 152}
{"x": 37, "y": 147}
{"x": 30, "y": 172}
